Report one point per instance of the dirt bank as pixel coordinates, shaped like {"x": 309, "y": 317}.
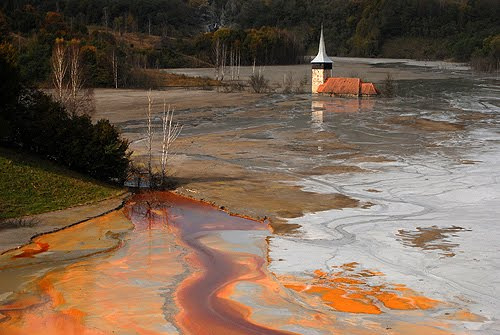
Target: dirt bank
{"x": 52, "y": 221}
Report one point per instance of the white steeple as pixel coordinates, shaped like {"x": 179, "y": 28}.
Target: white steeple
{"x": 322, "y": 57}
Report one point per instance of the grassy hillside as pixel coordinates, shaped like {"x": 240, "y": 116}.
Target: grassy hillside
{"x": 29, "y": 185}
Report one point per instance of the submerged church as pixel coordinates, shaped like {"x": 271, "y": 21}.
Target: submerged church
{"x": 323, "y": 81}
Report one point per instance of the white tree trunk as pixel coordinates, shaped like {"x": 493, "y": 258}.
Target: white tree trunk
{"x": 149, "y": 136}
{"x": 59, "y": 69}
{"x": 114, "y": 64}
{"x": 170, "y": 133}
{"x": 75, "y": 78}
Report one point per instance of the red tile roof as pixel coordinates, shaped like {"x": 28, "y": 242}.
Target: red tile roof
{"x": 347, "y": 86}
{"x": 340, "y": 86}
{"x": 368, "y": 89}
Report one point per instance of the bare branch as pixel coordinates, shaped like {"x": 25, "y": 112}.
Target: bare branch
{"x": 59, "y": 69}
{"x": 149, "y": 135}
{"x": 170, "y": 133}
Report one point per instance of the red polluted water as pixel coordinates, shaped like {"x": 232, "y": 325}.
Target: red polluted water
{"x": 140, "y": 270}
{"x": 204, "y": 308}
{"x": 166, "y": 264}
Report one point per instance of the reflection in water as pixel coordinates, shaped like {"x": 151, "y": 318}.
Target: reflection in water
{"x": 317, "y": 120}
{"x": 136, "y": 288}
{"x": 342, "y": 105}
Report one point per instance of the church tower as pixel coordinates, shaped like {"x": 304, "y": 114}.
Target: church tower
{"x": 322, "y": 66}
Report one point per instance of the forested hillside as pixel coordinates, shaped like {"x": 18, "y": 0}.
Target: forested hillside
{"x": 179, "y": 33}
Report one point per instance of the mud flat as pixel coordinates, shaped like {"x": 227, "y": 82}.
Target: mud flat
{"x": 52, "y": 221}
{"x": 166, "y": 264}
{"x": 369, "y": 69}
{"x": 384, "y": 212}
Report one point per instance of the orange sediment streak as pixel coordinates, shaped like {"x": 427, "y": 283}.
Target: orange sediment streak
{"x": 347, "y": 291}
{"x": 204, "y": 296}
{"x": 141, "y": 287}
{"x": 30, "y": 252}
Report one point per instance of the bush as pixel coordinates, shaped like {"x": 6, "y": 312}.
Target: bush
{"x": 43, "y": 126}
{"x": 18, "y": 223}
{"x": 388, "y": 88}
{"x": 259, "y": 83}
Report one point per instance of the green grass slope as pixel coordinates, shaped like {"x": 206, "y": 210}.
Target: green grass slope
{"x": 29, "y": 185}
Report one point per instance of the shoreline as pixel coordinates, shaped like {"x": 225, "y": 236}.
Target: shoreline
{"x": 210, "y": 239}
{"x": 50, "y": 222}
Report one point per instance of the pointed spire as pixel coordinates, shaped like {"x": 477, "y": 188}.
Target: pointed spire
{"x": 322, "y": 57}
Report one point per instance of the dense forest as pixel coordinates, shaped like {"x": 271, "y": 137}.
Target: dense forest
{"x": 188, "y": 33}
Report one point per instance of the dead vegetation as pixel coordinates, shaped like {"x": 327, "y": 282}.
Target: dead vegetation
{"x": 160, "y": 79}
{"x": 259, "y": 83}
{"x": 18, "y": 223}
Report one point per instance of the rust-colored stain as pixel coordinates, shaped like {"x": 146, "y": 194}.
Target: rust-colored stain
{"x": 175, "y": 273}
{"x": 30, "y": 252}
{"x": 205, "y": 306}
{"x": 347, "y": 290}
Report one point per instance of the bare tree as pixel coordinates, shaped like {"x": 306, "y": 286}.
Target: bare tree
{"x": 239, "y": 63}
{"x": 223, "y": 60}
{"x": 105, "y": 18}
{"x": 68, "y": 78}
{"x": 231, "y": 62}
{"x": 170, "y": 133}
{"x": 258, "y": 82}
{"x": 149, "y": 136}
{"x": 149, "y": 25}
{"x": 59, "y": 70}
{"x": 216, "y": 51}
{"x": 75, "y": 74}
{"x": 388, "y": 89}
{"x": 114, "y": 64}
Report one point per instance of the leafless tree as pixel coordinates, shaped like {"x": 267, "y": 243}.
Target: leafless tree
{"x": 59, "y": 70}
{"x": 235, "y": 62}
{"x": 149, "y": 136}
{"x": 68, "y": 78}
{"x": 223, "y": 60}
{"x": 238, "y": 64}
{"x": 288, "y": 82}
{"x": 258, "y": 82}
{"x": 217, "y": 56}
{"x": 105, "y": 18}
{"x": 75, "y": 75}
{"x": 170, "y": 133}
{"x": 114, "y": 64}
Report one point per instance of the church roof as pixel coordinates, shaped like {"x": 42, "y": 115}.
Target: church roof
{"x": 322, "y": 57}
{"x": 347, "y": 86}
{"x": 368, "y": 89}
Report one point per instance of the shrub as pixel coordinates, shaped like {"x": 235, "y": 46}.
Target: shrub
{"x": 259, "y": 83}
{"x": 18, "y": 223}
{"x": 43, "y": 126}
{"x": 388, "y": 88}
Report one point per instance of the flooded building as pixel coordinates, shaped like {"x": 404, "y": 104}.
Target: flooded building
{"x": 323, "y": 81}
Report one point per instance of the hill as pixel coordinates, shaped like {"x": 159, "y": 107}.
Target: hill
{"x": 176, "y": 33}
{"x": 29, "y": 185}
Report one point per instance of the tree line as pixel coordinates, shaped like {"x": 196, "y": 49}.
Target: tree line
{"x": 268, "y": 31}
{"x": 52, "y": 128}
